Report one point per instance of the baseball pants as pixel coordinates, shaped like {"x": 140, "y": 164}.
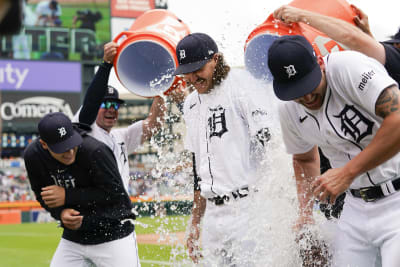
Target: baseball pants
{"x": 369, "y": 233}
{"x": 224, "y": 234}
{"x": 118, "y": 253}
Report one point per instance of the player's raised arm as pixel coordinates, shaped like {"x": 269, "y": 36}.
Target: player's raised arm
{"x": 98, "y": 87}
{"x": 337, "y": 29}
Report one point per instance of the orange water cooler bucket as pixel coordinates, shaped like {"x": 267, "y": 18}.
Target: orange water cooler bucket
{"x": 146, "y": 58}
{"x": 261, "y": 38}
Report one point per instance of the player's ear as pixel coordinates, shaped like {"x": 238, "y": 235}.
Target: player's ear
{"x": 215, "y": 57}
{"x": 43, "y": 143}
{"x": 321, "y": 62}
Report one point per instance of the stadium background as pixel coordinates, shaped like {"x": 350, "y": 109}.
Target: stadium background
{"x": 47, "y": 68}
{"x": 59, "y": 63}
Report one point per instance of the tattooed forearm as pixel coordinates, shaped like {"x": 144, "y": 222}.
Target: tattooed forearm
{"x": 388, "y": 102}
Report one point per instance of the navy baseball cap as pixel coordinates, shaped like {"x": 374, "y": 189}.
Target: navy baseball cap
{"x": 294, "y": 66}
{"x": 394, "y": 39}
{"x": 194, "y": 51}
{"x": 57, "y": 131}
{"x": 113, "y": 95}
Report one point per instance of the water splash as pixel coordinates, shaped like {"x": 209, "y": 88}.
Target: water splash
{"x": 274, "y": 208}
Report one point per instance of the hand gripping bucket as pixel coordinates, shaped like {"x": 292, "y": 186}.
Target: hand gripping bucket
{"x": 146, "y": 58}
{"x": 261, "y": 38}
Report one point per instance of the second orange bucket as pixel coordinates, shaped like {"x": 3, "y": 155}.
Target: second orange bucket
{"x": 261, "y": 38}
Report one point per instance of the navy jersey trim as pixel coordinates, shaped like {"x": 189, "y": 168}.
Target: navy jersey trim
{"x": 196, "y": 178}
{"x": 312, "y": 116}
{"x": 209, "y": 163}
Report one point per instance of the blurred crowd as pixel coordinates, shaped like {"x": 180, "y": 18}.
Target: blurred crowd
{"x": 15, "y": 187}
{"x": 146, "y": 185}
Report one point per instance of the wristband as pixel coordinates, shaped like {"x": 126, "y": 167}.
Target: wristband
{"x": 106, "y": 64}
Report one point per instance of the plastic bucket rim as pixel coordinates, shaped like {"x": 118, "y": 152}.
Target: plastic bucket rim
{"x": 139, "y": 41}
{"x": 258, "y": 36}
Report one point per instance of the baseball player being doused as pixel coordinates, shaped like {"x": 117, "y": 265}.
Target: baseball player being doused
{"x": 348, "y": 105}
{"x": 226, "y": 122}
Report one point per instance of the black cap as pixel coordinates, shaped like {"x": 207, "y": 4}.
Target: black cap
{"x": 394, "y": 39}
{"x": 57, "y": 131}
{"x": 194, "y": 51}
{"x": 113, "y": 95}
{"x": 294, "y": 66}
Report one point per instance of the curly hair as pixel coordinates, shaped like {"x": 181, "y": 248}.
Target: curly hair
{"x": 221, "y": 69}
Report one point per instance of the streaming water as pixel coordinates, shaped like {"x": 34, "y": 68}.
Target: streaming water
{"x": 275, "y": 204}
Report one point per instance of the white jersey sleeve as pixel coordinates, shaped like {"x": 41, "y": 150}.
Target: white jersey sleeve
{"x": 357, "y": 77}
{"x": 132, "y": 135}
{"x": 251, "y": 98}
{"x": 294, "y": 142}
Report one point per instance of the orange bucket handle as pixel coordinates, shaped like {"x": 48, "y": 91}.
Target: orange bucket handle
{"x": 121, "y": 34}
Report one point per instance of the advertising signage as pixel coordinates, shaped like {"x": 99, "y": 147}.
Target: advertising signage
{"x": 60, "y": 30}
{"x": 135, "y": 8}
{"x": 28, "y": 108}
{"x": 40, "y": 76}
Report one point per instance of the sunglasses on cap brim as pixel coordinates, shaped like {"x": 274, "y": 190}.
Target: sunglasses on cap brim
{"x": 109, "y": 104}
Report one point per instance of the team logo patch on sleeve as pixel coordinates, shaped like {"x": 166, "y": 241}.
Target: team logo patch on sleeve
{"x": 258, "y": 114}
{"x": 263, "y": 136}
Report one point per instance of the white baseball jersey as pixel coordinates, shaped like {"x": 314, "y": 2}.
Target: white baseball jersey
{"x": 122, "y": 141}
{"x": 346, "y": 123}
{"x": 220, "y": 126}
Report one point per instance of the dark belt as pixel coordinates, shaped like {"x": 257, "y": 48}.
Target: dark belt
{"x": 240, "y": 193}
{"x": 373, "y": 193}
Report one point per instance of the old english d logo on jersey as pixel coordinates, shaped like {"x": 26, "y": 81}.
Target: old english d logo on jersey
{"x": 123, "y": 156}
{"x": 354, "y": 123}
{"x": 217, "y": 122}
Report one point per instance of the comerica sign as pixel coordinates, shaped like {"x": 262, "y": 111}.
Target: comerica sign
{"x": 34, "y": 107}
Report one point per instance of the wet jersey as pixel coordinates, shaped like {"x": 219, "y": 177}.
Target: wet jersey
{"x": 221, "y": 131}
{"x": 346, "y": 123}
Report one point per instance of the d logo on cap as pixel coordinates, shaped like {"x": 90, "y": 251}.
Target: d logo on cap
{"x": 194, "y": 51}
{"x": 57, "y": 131}
{"x": 290, "y": 70}
{"x": 294, "y": 66}
{"x": 62, "y": 131}
{"x": 182, "y": 54}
